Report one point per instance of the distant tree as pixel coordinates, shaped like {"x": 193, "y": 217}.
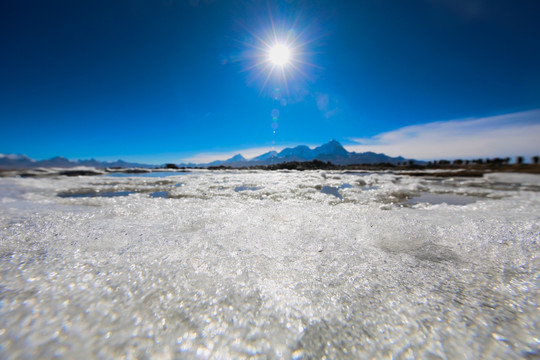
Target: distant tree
{"x": 535, "y": 160}
{"x": 458, "y": 162}
{"x": 467, "y": 162}
{"x": 444, "y": 162}
{"x": 171, "y": 166}
{"x": 411, "y": 163}
{"x": 519, "y": 160}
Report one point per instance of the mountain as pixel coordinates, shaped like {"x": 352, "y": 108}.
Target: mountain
{"x": 232, "y": 162}
{"x": 17, "y": 162}
{"x": 333, "y": 148}
{"x": 332, "y": 152}
{"x": 59, "y": 162}
{"x": 265, "y": 156}
{"x": 236, "y": 158}
{"x": 301, "y": 152}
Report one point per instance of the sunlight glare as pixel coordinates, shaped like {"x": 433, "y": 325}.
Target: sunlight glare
{"x": 280, "y": 55}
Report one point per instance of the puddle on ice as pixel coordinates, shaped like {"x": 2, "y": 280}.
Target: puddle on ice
{"x": 450, "y": 199}
{"x": 108, "y": 194}
{"x": 331, "y": 190}
{"x": 160, "y": 194}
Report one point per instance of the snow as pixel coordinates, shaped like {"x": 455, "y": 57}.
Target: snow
{"x": 238, "y": 264}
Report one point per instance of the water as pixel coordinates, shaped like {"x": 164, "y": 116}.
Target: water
{"x": 331, "y": 190}
{"x": 155, "y": 174}
{"x": 106, "y": 194}
{"x": 284, "y": 270}
{"x": 450, "y": 199}
{"x": 160, "y": 194}
{"x": 335, "y": 190}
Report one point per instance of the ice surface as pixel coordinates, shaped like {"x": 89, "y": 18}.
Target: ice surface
{"x": 268, "y": 265}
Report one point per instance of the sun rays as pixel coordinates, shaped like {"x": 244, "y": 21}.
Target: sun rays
{"x": 279, "y": 55}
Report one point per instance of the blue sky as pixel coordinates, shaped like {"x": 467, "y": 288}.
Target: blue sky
{"x": 188, "y": 80}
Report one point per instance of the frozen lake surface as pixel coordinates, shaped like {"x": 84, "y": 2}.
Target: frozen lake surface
{"x": 268, "y": 265}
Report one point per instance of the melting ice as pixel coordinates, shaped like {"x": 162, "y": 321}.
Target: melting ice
{"x": 270, "y": 265}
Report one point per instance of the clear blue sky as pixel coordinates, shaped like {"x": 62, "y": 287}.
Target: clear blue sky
{"x": 164, "y": 80}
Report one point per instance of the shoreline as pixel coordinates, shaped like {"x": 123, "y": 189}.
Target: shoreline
{"x": 441, "y": 171}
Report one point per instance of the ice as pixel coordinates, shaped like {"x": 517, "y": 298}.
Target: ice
{"x": 253, "y": 264}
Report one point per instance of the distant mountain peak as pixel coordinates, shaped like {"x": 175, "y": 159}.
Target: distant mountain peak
{"x": 331, "y": 148}
{"x": 237, "y": 157}
{"x": 265, "y": 156}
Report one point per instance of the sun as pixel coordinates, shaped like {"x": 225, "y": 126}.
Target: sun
{"x": 279, "y": 55}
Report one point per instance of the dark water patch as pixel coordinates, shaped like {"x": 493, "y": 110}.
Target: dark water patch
{"x": 156, "y": 174}
{"x": 367, "y": 188}
{"x": 366, "y": 173}
{"x": 346, "y": 186}
{"x": 450, "y": 199}
{"x": 331, "y": 190}
{"x": 79, "y": 172}
{"x": 160, "y": 194}
{"x": 107, "y": 194}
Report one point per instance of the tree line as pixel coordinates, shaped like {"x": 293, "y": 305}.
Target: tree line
{"x": 495, "y": 161}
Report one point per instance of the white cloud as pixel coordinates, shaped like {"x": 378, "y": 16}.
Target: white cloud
{"x": 496, "y": 136}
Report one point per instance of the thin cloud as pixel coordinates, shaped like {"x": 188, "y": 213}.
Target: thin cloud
{"x": 514, "y": 134}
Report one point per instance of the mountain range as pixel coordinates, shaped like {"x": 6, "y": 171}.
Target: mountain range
{"x": 332, "y": 152}
{"x": 18, "y": 161}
